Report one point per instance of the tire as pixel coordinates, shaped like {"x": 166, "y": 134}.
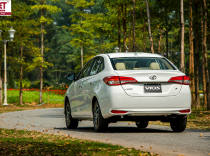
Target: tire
{"x": 70, "y": 122}
{"x": 100, "y": 124}
{"x": 179, "y": 123}
{"x": 142, "y": 124}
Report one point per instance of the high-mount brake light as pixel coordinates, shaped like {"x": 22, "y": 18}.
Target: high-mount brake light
{"x": 118, "y": 112}
{"x": 180, "y": 79}
{"x": 185, "y": 111}
{"x": 118, "y": 80}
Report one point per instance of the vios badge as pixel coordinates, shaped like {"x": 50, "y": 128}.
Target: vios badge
{"x": 153, "y": 77}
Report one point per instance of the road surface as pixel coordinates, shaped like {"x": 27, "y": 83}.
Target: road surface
{"x": 155, "y": 139}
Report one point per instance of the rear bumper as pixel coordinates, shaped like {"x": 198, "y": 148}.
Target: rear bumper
{"x": 162, "y": 118}
{"x": 116, "y": 99}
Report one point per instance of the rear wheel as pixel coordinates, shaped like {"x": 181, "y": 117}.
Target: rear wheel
{"x": 100, "y": 124}
{"x": 142, "y": 124}
{"x": 179, "y": 123}
{"x": 70, "y": 122}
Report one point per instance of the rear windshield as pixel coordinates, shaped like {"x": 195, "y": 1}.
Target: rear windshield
{"x": 141, "y": 63}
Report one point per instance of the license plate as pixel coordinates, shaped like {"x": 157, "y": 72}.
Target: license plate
{"x": 152, "y": 88}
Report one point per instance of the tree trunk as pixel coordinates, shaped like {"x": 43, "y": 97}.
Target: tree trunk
{"x": 81, "y": 44}
{"x": 1, "y": 92}
{"x": 124, "y": 27}
{"x": 42, "y": 51}
{"x": 159, "y": 43}
{"x": 149, "y": 27}
{"x": 21, "y": 75}
{"x": 182, "y": 67}
{"x": 59, "y": 76}
{"x": 130, "y": 40}
{"x": 197, "y": 105}
{"x": 191, "y": 57}
{"x": 205, "y": 56}
{"x": 119, "y": 29}
{"x": 203, "y": 60}
{"x": 81, "y": 55}
{"x": 134, "y": 22}
{"x": 103, "y": 45}
{"x": 144, "y": 37}
{"x": 166, "y": 11}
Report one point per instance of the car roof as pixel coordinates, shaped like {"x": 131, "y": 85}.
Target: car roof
{"x": 132, "y": 54}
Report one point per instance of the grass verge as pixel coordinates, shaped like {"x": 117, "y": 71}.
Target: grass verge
{"x": 18, "y": 142}
{"x": 32, "y": 97}
{"x": 198, "y": 119}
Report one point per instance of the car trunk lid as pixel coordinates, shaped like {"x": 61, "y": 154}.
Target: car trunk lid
{"x": 151, "y": 80}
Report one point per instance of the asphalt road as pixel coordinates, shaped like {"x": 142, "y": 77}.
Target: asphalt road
{"x": 156, "y": 139}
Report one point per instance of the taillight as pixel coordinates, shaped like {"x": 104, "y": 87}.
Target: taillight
{"x": 185, "y": 111}
{"x": 112, "y": 80}
{"x": 118, "y": 112}
{"x": 117, "y": 80}
{"x": 180, "y": 79}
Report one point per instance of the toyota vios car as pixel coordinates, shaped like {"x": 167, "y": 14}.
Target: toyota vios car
{"x": 138, "y": 87}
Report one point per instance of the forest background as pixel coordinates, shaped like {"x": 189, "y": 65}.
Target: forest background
{"x": 56, "y": 37}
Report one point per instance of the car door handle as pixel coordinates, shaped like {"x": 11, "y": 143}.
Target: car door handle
{"x": 80, "y": 87}
{"x": 92, "y": 83}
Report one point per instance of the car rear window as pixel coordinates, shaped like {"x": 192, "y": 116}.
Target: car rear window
{"x": 141, "y": 63}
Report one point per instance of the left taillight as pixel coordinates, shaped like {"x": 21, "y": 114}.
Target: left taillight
{"x": 118, "y": 80}
{"x": 180, "y": 79}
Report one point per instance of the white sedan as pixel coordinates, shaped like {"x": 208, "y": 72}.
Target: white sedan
{"x": 138, "y": 87}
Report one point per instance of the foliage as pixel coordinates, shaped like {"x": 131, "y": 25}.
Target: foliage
{"x": 25, "y": 83}
{"x": 36, "y": 84}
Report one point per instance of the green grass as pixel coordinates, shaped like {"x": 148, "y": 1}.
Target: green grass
{"x": 32, "y": 97}
{"x": 18, "y": 142}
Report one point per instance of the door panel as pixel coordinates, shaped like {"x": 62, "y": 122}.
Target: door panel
{"x": 77, "y": 99}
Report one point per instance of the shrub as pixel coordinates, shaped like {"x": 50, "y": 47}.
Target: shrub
{"x": 25, "y": 83}
{"x": 36, "y": 84}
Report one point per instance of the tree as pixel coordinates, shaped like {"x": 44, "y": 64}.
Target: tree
{"x": 81, "y": 29}
{"x": 197, "y": 105}
{"x": 149, "y": 27}
{"x": 191, "y": 54}
{"x": 205, "y": 55}
{"x": 134, "y": 23}
{"x": 44, "y": 9}
{"x": 182, "y": 66}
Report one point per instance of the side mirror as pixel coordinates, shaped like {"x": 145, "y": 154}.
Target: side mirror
{"x": 70, "y": 76}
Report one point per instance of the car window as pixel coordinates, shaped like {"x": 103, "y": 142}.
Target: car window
{"x": 101, "y": 67}
{"x": 97, "y": 66}
{"x": 85, "y": 71}
{"x": 141, "y": 63}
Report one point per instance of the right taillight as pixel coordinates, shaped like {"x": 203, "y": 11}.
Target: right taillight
{"x": 118, "y": 80}
{"x": 180, "y": 79}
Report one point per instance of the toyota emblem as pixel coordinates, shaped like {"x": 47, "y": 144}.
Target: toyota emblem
{"x": 153, "y": 77}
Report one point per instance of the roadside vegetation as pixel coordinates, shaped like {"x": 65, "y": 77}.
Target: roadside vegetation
{"x": 52, "y": 99}
{"x": 31, "y": 96}
{"x": 19, "y": 142}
